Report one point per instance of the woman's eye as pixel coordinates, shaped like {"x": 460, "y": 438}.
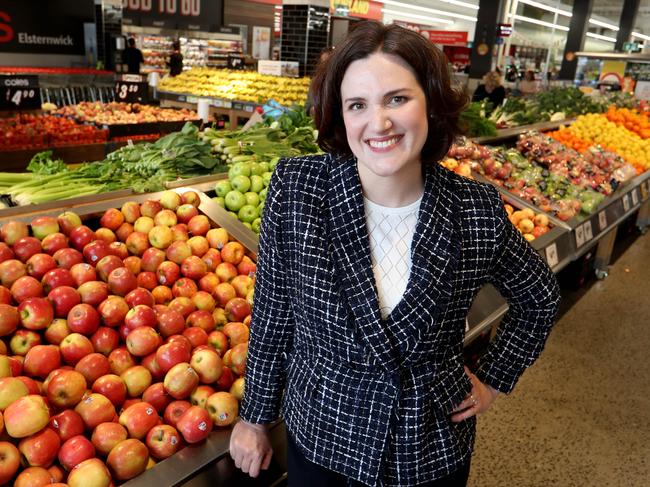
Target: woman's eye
{"x": 356, "y": 106}
{"x": 396, "y": 100}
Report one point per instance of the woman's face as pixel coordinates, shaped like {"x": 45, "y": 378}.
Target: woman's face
{"x": 385, "y": 114}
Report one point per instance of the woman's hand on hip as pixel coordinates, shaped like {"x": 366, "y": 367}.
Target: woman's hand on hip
{"x": 250, "y": 447}
{"x": 477, "y": 401}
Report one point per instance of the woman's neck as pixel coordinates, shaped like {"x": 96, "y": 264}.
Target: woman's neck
{"x": 394, "y": 191}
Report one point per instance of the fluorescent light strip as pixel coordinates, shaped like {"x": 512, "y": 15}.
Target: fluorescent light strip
{"x": 603, "y": 24}
{"x": 427, "y": 10}
{"x": 641, "y": 36}
{"x": 397, "y": 13}
{"x": 559, "y": 11}
{"x": 602, "y": 38}
{"x": 538, "y": 22}
{"x": 460, "y": 4}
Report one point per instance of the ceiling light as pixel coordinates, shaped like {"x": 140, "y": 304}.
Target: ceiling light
{"x": 602, "y": 24}
{"x": 641, "y": 36}
{"x": 538, "y": 22}
{"x": 427, "y": 10}
{"x": 397, "y": 13}
{"x": 602, "y": 38}
{"x": 547, "y": 8}
{"x": 460, "y": 4}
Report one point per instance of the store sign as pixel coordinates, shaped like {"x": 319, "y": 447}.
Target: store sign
{"x": 52, "y": 27}
{"x": 446, "y": 37}
{"x": 278, "y": 68}
{"x": 203, "y": 15}
{"x": 364, "y": 9}
{"x": 504, "y": 30}
{"x": 19, "y": 93}
{"x": 131, "y": 88}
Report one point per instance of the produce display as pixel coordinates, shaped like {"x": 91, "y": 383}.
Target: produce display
{"x": 530, "y": 224}
{"x": 474, "y": 122}
{"x": 630, "y": 119}
{"x": 114, "y": 113}
{"x": 247, "y": 86}
{"x": 123, "y": 339}
{"x": 27, "y": 131}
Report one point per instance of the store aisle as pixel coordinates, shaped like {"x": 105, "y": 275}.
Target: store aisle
{"x": 581, "y": 415}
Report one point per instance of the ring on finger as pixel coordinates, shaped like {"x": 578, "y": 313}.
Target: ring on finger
{"x": 474, "y": 401}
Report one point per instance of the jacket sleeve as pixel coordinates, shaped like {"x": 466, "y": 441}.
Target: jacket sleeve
{"x": 533, "y": 296}
{"x": 272, "y": 318}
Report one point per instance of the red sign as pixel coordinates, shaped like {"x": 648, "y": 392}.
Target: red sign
{"x": 446, "y": 37}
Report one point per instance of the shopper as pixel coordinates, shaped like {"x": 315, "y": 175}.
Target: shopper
{"x": 132, "y": 57}
{"x": 529, "y": 86}
{"x": 369, "y": 259}
{"x": 175, "y": 60}
{"x": 491, "y": 89}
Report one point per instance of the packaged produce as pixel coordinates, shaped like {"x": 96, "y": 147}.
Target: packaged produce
{"x": 114, "y": 113}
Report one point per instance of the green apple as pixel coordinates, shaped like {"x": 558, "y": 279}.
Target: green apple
{"x": 257, "y": 183}
{"x": 273, "y": 162}
{"x": 264, "y": 166}
{"x": 247, "y": 225}
{"x": 233, "y": 214}
{"x": 263, "y": 194}
{"x": 248, "y": 213}
{"x": 257, "y": 169}
{"x": 223, "y": 187}
{"x": 220, "y": 200}
{"x": 234, "y": 200}
{"x": 266, "y": 178}
{"x": 252, "y": 198}
{"x": 256, "y": 224}
{"x": 239, "y": 168}
{"x": 241, "y": 183}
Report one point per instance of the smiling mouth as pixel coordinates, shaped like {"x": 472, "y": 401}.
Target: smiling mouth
{"x": 383, "y": 143}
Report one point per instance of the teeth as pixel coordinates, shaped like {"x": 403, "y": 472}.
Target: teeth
{"x": 382, "y": 144}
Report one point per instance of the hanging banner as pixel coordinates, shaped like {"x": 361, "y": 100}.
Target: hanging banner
{"x": 261, "y": 42}
{"x": 446, "y": 37}
{"x": 613, "y": 71}
{"x": 363, "y": 9}
{"x": 203, "y": 15}
{"x": 52, "y": 27}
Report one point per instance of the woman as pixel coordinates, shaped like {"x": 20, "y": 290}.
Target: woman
{"x": 370, "y": 257}
{"x": 491, "y": 89}
{"x": 528, "y": 86}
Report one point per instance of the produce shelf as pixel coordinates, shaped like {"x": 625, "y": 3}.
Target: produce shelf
{"x": 505, "y": 135}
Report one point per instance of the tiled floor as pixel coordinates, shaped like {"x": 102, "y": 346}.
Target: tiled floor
{"x": 580, "y": 416}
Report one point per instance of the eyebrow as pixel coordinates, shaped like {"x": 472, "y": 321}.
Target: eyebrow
{"x": 386, "y": 95}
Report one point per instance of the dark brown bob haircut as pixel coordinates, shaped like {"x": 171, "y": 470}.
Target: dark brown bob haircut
{"x": 444, "y": 103}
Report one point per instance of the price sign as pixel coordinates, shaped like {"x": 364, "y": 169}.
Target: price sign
{"x": 19, "y": 93}
{"x": 551, "y": 255}
{"x": 132, "y": 88}
{"x": 626, "y": 203}
{"x": 580, "y": 236}
{"x": 588, "y": 232}
{"x": 602, "y": 220}
{"x": 644, "y": 191}
{"x": 635, "y": 198}
{"x": 235, "y": 61}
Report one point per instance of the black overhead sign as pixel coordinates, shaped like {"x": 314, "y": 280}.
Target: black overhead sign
{"x": 44, "y": 27}
{"x": 203, "y": 15}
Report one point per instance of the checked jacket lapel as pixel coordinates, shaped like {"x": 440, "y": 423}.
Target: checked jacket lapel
{"x": 393, "y": 342}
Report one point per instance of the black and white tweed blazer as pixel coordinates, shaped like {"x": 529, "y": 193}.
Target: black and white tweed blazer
{"x": 367, "y": 397}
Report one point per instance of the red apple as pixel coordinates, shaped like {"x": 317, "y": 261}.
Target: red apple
{"x": 152, "y": 366}
{"x": 136, "y": 379}
{"x": 67, "y": 424}
{"x": 32, "y": 386}
{"x": 196, "y": 336}
{"x": 113, "y": 310}
{"x": 140, "y": 296}
{"x": 82, "y": 273}
{"x": 74, "y": 347}
{"x": 11, "y": 366}
{"x": 133, "y": 263}
{"x": 147, "y": 280}
{"x": 33, "y": 477}
{"x": 105, "y": 340}
{"x": 180, "y": 233}
{"x": 120, "y": 359}
{"x": 128, "y": 459}
{"x": 93, "y": 366}
{"x": 26, "y": 287}
{"x": 66, "y": 389}
{"x": 193, "y": 267}
{"x": 183, "y": 305}
{"x": 112, "y": 387}
{"x": 174, "y": 411}
{"x": 195, "y": 424}
{"x": 152, "y": 258}
{"x": 95, "y": 409}
{"x": 212, "y": 258}
{"x": 237, "y": 309}
{"x": 23, "y": 340}
{"x": 171, "y": 354}
{"x": 247, "y": 267}
{"x": 181, "y": 380}
{"x": 106, "y": 435}
{"x": 226, "y": 271}
{"x": 170, "y": 322}
{"x": 184, "y": 287}
{"x": 140, "y": 315}
{"x": 156, "y": 395}
{"x": 57, "y": 331}
{"x": 95, "y": 251}
{"x": 162, "y": 294}
{"x": 112, "y": 219}
{"x": 218, "y": 341}
{"x": 57, "y": 277}
{"x": 119, "y": 249}
{"x": 200, "y": 395}
{"x": 36, "y": 313}
{"x": 238, "y": 358}
{"x": 89, "y": 473}
{"x": 40, "y": 449}
{"x": 142, "y": 341}
{"x": 63, "y": 299}
{"x": 168, "y": 273}
{"x": 225, "y": 380}
{"x": 106, "y": 265}
{"x": 185, "y": 213}
{"x": 137, "y": 243}
{"x": 75, "y": 450}
{"x": 166, "y": 218}
{"x": 5, "y": 252}
{"x": 223, "y": 293}
{"x": 84, "y": 319}
{"x": 207, "y": 364}
{"x": 93, "y": 292}
{"x": 130, "y": 211}
{"x": 68, "y": 221}
{"x": 67, "y": 258}
{"x": 12, "y": 269}
{"x": 199, "y": 225}
{"x": 5, "y": 295}
{"x": 191, "y": 198}
{"x": 54, "y": 242}
{"x": 150, "y": 208}
{"x": 123, "y": 232}
{"x": 178, "y": 251}
{"x": 25, "y": 416}
{"x": 12, "y": 231}
{"x": 121, "y": 281}
{"x": 163, "y": 441}
{"x": 41, "y": 360}
{"x": 10, "y": 460}
{"x": 26, "y": 247}
{"x": 139, "y": 419}
{"x": 236, "y": 332}
{"x": 38, "y": 264}
{"x": 10, "y": 318}
{"x": 233, "y": 252}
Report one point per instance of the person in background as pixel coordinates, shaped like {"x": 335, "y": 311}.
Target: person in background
{"x": 132, "y": 57}
{"x": 370, "y": 256}
{"x": 175, "y": 60}
{"x": 490, "y": 89}
{"x": 529, "y": 86}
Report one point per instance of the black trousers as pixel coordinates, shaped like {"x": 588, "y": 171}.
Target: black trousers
{"x": 303, "y": 473}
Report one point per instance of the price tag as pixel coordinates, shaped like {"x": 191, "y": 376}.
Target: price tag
{"x": 227, "y": 104}
{"x": 602, "y": 220}
{"x": 235, "y": 61}
{"x": 249, "y": 108}
{"x": 644, "y": 191}
{"x": 587, "y": 231}
{"x": 635, "y": 197}
{"x": 580, "y": 236}
{"x": 19, "y": 93}
{"x": 132, "y": 88}
{"x": 237, "y": 105}
{"x": 192, "y": 99}
{"x": 626, "y": 203}
{"x": 217, "y": 103}
{"x": 551, "y": 255}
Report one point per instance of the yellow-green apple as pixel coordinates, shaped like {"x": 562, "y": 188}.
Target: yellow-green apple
{"x": 66, "y": 389}
{"x": 40, "y": 449}
{"x": 42, "y": 226}
{"x": 184, "y": 287}
{"x": 130, "y": 211}
{"x": 137, "y": 242}
{"x": 162, "y": 294}
{"x": 33, "y": 387}
{"x": 247, "y": 267}
{"x": 237, "y": 388}
{"x": 120, "y": 359}
{"x": 38, "y": 264}
{"x": 138, "y": 419}
{"x": 68, "y": 220}
{"x": 5, "y": 366}
{"x": 63, "y": 299}
{"x": 128, "y": 459}
{"x": 106, "y": 265}
{"x": 204, "y": 301}
{"x": 170, "y": 200}
{"x": 208, "y": 364}
{"x": 93, "y": 366}
{"x": 140, "y": 315}
{"x": 36, "y": 313}
{"x": 57, "y": 331}
{"x": 89, "y": 473}
{"x": 41, "y": 360}
{"x": 181, "y": 380}
{"x": 218, "y": 341}
{"x": 26, "y": 415}
{"x": 11, "y": 389}
{"x": 81, "y": 236}
{"x": 238, "y": 358}
{"x": 9, "y": 319}
{"x": 163, "y": 441}
{"x": 156, "y": 395}
{"x": 217, "y": 237}
{"x": 223, "y": 408}
{"x": 112, "y": 387}
{"x": 191, "y": 198}
{"x": 242, "y": 284}
{"x": 57, "y": 277}
{"x": 95, "y": 409}
{"x": 74, "y": 347}
{"x": 180, "y": 233}
{"x": 143, "y": 224}
{"x": 220, "y": 318}
{"x": 25, "y": 247}
{"x": 141, "y": 295}
{"x": 200, "y": 395}
{"x": 136, "y": 379}
{"x": 198, "y": 225}
{"x": 194, "y": 425}
{"x": 9, "y": 461}
{"x": 196, "y": 336}
{"x": 112, "y": 218}
{"x": 13, "y": 230}
{"x": 202, "y": 319}
{"x": 23, "y": 340}
{"x": 160, "y": 236}
{"x": 33, "y": 477}
{"x": 170, "y": 354}
{"x": 165, "y": 218}
{"x": 105, "y": 235}
{"x": 74, "y": 451}
{"x": 212, "y": 258}
{"x": 236, "y": 332}
{"x": 10, "y": 270}
{"x": 174, "y": 411}
{"x": 106, "y": 435}
{"x": 226, "y": 271}
{"x": 121, "y": 281}
{"x": 113, "y": 310}
{"x": 66, "y": 424}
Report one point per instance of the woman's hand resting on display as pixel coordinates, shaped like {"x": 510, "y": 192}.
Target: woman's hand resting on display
{"x": 477, "y": 401}
{"x": 250, "y": 447}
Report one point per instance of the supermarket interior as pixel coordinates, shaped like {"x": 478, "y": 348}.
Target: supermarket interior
{"x": 138, "y": 140}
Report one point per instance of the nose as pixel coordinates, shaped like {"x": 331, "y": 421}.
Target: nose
{"x": 381, "y": 121}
